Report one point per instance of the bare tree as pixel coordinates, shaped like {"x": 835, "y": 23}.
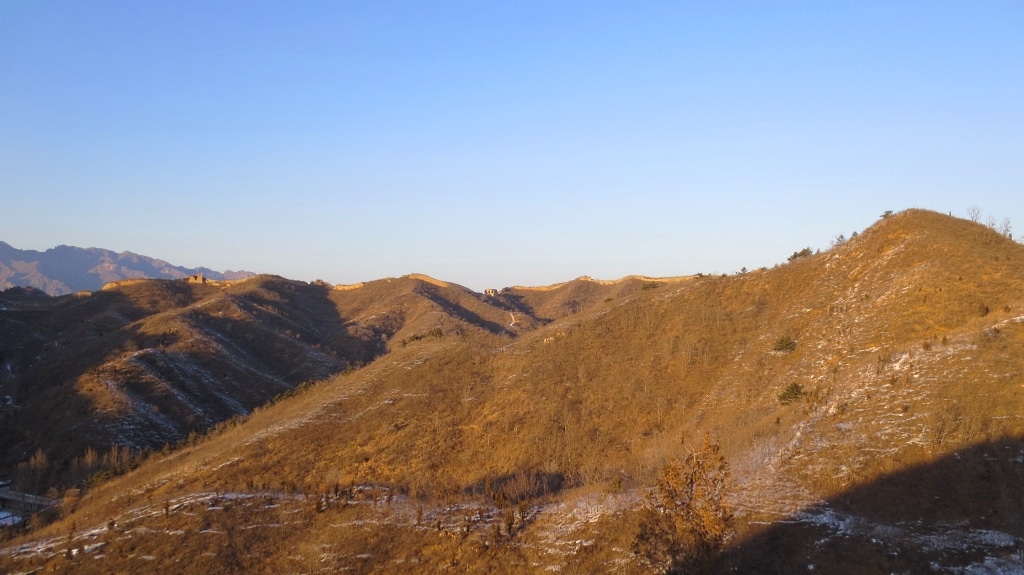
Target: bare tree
{"x": 1006, "y": 229}
{"x": 991, "y": 222}
{"x": 974, "y": 214}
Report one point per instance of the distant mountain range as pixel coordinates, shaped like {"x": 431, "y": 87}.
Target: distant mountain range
{"x": 67, "y": 269}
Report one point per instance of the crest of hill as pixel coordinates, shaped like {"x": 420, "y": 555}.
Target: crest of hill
{"x": 903, "y": 344}
{"x": 924, "y": 272}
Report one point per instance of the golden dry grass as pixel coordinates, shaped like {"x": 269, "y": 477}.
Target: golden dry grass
{"x": 908, "y": 343}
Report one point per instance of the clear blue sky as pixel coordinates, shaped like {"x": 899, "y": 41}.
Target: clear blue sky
{"x": 499, "y": 143}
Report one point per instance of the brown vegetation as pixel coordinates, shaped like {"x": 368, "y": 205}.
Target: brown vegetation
{"x": 686, "y": 521}
{"x": 511, "y": 449}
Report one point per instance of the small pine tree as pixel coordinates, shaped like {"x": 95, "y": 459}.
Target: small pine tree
{"x": 792, "y": 393}
{"x": 685, "y": 521}
{"x": 784, "y": 344}
{"x": 806, "y": 252}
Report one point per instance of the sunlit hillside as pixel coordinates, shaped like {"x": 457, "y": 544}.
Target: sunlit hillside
{"x": 868, "y": 401}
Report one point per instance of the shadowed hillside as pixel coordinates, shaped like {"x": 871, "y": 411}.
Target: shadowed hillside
{"x": 832, "y": 383}
{"x": 963, "y": 513}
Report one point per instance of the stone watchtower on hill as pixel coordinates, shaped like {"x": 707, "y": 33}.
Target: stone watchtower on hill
{"x": 196, "y": 279}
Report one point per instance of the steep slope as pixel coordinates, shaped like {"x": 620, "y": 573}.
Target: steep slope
{"x": 900, "y": 350}
{"x": 67, "y": 269}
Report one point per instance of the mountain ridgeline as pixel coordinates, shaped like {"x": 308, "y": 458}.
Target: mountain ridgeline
{"x": 68, "y": 269}
{"x": 867, "y": 399}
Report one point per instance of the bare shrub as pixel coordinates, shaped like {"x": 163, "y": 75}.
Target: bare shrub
{"x": 974, "y": 213}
